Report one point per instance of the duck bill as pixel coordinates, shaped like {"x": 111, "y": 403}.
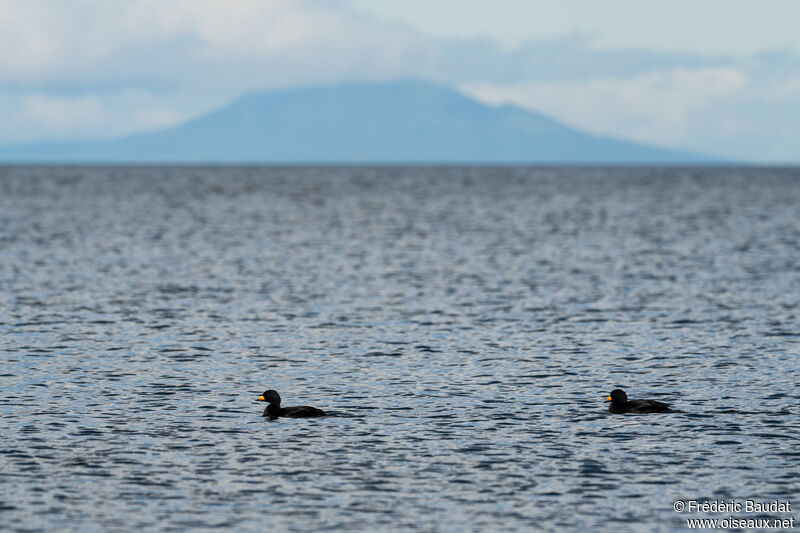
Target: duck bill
{"x": 607, "y": 399}
{"x": 261, "y": 399}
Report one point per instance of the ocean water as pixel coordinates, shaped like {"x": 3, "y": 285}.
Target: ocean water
{"x": 462, "y": 326}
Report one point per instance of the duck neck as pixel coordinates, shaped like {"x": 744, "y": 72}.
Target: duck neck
{"x": 618, "y": 407}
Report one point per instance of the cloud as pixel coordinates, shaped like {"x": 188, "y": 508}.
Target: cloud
{"x": 728, "y": 111}
{"x": 654, "y": 107}
{"x": 245, "y": 43}
{"x": 30, "y": 116}
{"x": 92, "y": 68}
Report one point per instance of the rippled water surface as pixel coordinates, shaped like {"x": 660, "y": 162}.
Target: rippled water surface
{"x": 462, "y": 325}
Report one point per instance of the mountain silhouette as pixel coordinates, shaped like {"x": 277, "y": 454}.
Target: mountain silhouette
{"x": 391, "y": 122}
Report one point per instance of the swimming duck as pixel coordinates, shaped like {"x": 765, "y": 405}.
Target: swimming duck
{"x": 621, "y": 404}
{"x": 274, "y": 409}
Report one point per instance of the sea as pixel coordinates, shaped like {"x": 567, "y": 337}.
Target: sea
{"x": 461, "y": 326}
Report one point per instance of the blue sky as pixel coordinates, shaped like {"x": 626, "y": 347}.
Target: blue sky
{"x": 716, "y": 76}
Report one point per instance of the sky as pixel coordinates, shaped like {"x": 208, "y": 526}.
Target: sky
{"x": 720, "y": 77}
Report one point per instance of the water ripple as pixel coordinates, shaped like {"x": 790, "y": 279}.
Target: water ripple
{"x": 462, "y": 326}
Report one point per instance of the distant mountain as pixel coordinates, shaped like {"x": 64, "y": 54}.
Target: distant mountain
{"x": 396, "y": 122}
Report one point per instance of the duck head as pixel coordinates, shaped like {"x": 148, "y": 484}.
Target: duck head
{"x": 270, "y": 396}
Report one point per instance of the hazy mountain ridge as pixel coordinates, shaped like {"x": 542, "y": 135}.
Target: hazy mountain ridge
{"x": 394, "y": 122}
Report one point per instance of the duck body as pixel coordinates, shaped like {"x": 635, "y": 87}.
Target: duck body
{"x": 621, "y": 405}
{"x": 274, "y": 409}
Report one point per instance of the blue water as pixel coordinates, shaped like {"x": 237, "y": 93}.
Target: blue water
{"x": 462, "y": 325}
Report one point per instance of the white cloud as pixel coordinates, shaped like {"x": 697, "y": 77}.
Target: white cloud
{"x": 34, "y": 116}
{"x": 654, "y": 107}
{"x": 722, "y": 111}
